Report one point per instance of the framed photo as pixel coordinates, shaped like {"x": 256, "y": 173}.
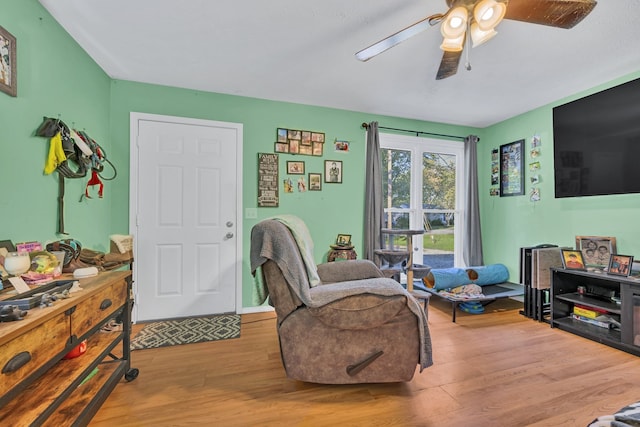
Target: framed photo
{"x": 281, "y": 147}
{"x": 294, "y": 146}
{"x": 596, "y": 250}
{"x": 318, "y": 148}
{"x": 620, "y": 265}
{"x": 315, "y": 182}
{"x": 317, "y": 137}
{"x": 512, "y": 169}
{"x": 295, "y": 168}
{"x": 306, "y": 137}
{"x": 306, "y": 150}
{"x": 572, "y": 259}
{"x": 294, "y": 134}
{"x": 333, "y": 171}
{"x": 343, "y": 240}
{"x": 8, "y": 64}
{"x": 281, "y": 135}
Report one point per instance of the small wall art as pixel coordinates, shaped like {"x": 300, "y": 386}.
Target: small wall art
{"x": 333, "y": 171}
{"x": 315, "y": 182}
{"x": 295, "y": 168}
{"x": 341, "y": 146}
{"x": 512, "y": 169}
{"x": 8, "y": 63}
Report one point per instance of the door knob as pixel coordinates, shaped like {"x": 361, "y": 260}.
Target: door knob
{"x": 229, "y": 224}
{"x": 229, "y": 235}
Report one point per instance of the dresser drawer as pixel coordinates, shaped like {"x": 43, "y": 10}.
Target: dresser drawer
{"x": 98, "y": 307}
{"x": 23, "y": 355}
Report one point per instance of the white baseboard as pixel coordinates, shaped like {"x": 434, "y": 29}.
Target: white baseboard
{"x": 258, "y": 309}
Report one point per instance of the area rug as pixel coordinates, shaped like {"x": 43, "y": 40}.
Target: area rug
{"x": 187, "y": 331}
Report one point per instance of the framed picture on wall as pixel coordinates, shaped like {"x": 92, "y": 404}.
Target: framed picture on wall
{"x": 315, "y": 182}
{"x": 295, "y": 168}
{"x": 512, "y": 169}
{"x": 8, "y": 64}
{"x": 333, "y": 171}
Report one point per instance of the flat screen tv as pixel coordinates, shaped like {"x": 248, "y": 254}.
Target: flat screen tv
{"x": 596, "y": 143}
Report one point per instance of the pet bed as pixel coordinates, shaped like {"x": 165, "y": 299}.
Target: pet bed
{"x": 492, "y": 278}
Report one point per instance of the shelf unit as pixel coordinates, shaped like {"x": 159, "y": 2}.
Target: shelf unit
{"x": 598, "y": 288}
{"x": 37, "y": 385}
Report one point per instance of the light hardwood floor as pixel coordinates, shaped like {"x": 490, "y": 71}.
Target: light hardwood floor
{"x": 495, "y": 369}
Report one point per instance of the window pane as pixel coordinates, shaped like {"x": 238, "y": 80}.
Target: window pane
{"x": 396, "y": 188}
{"x": 439, "y": 202}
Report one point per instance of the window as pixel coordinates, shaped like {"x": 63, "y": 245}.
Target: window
{"x": 423, "y": 185}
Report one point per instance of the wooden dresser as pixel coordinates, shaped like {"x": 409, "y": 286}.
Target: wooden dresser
{"x": 38, "y": 386}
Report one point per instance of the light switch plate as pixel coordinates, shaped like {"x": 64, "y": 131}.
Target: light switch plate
{"x": 251, "y": 213}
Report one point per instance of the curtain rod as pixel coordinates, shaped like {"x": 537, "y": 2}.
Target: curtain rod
{"x": 417, "y": 132}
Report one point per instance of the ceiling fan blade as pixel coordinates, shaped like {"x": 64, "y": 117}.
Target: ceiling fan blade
{"x": 394, "y": 39}
{"x": 554, "y": 13}
{"x": 448, "y": 65}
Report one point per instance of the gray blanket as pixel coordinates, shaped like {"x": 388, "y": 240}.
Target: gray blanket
{"x": 270, "y": 240}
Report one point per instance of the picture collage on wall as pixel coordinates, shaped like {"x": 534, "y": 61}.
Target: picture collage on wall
{"x": 304, "y": 142}
{"x": 507, "y": 171}
{"x": 297, "y": 179}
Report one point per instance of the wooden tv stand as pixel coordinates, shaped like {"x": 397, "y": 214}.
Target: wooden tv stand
{"x": 36, "y": 384}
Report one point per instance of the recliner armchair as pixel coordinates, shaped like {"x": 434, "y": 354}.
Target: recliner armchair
{"x": 354, "y": 326}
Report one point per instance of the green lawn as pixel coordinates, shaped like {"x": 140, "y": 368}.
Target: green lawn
{"x": 443, "y": 242}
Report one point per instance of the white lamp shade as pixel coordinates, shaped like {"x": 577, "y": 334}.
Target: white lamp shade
{"x": 455, "y": 23}
{"x": 489, "y": 13}
{"x": 479, "y": 36}
{"x": 452, "y": 44}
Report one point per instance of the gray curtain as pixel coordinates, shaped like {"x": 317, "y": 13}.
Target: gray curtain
{"x": 373, "y": 194}
{"x": 472, "y": 235}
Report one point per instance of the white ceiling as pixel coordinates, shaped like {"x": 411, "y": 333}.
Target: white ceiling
{"x": 303, "y": 52}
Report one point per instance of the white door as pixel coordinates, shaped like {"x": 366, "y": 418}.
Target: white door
{"x": 186, "y": 206}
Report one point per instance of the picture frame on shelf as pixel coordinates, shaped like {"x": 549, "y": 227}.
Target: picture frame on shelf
{"x": 333, "y": 171}
{"x": 512, "y": 169}
{"x": 295, "y": 167}
{"x": 596, "y": 250}
{"x": 343, "y": 240}
{"x": 315, "y": 182}
{"x": 8, "y": 63}
{"x": 572, "y": 260}
{"x": 620, "y": 265}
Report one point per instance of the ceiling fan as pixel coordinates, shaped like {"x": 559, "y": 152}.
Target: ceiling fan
{"x": 477, "y": 20}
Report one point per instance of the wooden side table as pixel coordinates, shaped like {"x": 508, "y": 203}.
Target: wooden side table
{"x": 341, "y": 253}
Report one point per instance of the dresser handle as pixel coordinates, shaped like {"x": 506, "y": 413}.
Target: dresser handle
{"x": 16, "y": 362}
{"x": 105, "y": 304}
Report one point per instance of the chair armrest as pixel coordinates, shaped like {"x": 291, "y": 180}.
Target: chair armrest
{"x": 342, "y": 271}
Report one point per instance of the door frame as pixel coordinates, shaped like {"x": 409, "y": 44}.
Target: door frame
{"x": 134, "y": 118}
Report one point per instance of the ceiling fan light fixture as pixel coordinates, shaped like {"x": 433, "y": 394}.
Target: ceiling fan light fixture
{"x": 452, "y": 44}
{"x": 479, "y": 36}
{"x": 489, "y": 13}
{"x": 455, "y": 23}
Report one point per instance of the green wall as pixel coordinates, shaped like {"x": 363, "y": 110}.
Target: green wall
{"x": 336, "y": 209}
{"x": 56, "y": 78}
{"x": 509, "y": 223}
